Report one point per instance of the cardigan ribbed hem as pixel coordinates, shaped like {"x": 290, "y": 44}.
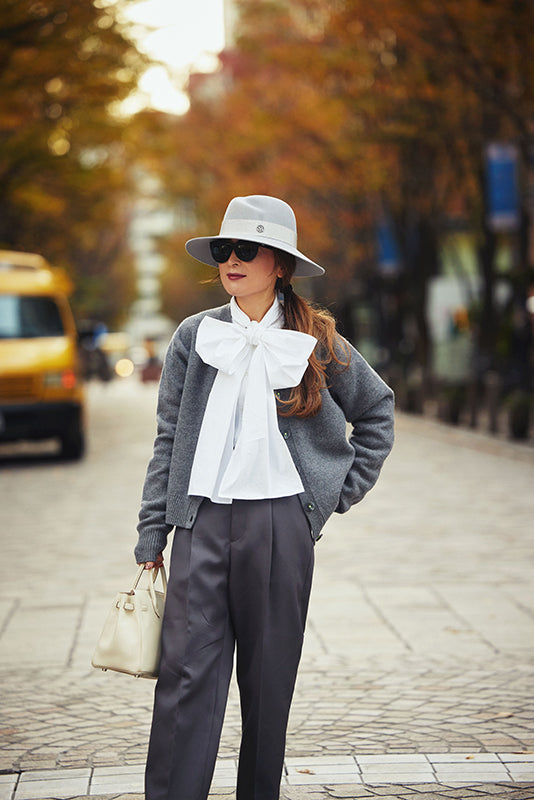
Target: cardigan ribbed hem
{"x": 150, "y": 544}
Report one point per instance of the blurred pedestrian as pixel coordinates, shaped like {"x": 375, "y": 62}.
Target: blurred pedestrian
{"x": 151, "y": 369}
{"x": 250, "y": 460}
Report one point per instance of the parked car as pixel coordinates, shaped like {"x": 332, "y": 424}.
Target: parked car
{"x": 41, "y": 392}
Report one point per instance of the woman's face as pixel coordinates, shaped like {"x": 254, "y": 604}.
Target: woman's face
{"x": 248, "y": 280}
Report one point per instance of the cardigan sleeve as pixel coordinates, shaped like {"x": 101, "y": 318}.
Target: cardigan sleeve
{"x": 368, "y": 405}
{"x": 152, "y": 527}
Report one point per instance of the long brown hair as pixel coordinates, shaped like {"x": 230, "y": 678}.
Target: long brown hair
{"x": 305, "y": 399}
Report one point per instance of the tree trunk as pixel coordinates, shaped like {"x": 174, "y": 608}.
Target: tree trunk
{"x": 425, "y": 265}
{"x": 488, "y": 326}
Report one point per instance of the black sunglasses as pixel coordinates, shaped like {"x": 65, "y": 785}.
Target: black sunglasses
{"x": 221, "y": 250}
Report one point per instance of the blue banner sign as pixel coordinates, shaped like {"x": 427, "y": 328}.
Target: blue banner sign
{"x": 502, "y": 197}
{"x": 388, "y": 250}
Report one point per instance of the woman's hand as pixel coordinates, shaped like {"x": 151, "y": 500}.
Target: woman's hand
{"x": 157, "y": 563}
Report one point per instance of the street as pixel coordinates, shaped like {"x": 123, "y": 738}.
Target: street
{"x": 420, "y": 637}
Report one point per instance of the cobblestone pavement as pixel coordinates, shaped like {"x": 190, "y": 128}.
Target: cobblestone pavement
{"x": 420, "y": 637}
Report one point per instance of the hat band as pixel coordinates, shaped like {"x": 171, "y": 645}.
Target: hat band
{"x": 250, "y": 229}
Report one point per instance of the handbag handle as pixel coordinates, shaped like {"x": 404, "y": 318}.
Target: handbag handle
{"x": 151, "y": 581}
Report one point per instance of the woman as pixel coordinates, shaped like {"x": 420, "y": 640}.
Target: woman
{"x": 250, "y": 460}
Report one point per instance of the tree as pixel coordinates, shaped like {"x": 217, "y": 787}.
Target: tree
{"x": 64, "y": 171}
{"x": 465, "y": 78}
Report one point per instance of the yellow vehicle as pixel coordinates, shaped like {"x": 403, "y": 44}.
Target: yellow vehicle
{"x": 41, "y": 394}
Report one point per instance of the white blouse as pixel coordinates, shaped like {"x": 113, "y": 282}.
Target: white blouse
{"x": 240, "y": 452}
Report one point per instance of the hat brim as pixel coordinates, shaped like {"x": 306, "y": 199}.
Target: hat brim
{"x": 199, "y": 248}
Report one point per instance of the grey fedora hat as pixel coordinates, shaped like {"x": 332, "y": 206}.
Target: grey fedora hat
{"x": 257, "y": 218}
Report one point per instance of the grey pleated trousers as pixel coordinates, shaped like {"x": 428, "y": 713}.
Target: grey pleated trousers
{"x": 242, "y": 575}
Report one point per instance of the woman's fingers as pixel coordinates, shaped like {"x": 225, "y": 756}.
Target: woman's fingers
{"x": 157, "y": 563}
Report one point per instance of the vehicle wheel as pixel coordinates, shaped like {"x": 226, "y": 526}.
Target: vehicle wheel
{"x": 72, "y": 442}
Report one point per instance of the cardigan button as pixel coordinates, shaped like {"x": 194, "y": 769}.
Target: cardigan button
{"x": 286, "y": 434}
{"x": 311, "y": 506}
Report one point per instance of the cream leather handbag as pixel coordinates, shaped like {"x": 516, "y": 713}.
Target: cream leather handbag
{"x": 130, "y": 641}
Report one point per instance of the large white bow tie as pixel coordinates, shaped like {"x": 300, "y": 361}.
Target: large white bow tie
{"x": 257, "y": 464}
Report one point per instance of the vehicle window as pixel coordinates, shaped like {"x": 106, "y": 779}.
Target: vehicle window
{"x": 29, "y": 317}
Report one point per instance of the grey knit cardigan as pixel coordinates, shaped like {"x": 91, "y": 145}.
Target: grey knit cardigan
{"x": 336, "y": 472}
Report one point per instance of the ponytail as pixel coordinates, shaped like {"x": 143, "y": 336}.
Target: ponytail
{"x": 305, "y": 399}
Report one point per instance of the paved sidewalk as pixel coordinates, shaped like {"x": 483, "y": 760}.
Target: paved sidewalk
{"x": 421, "y": 772}
{"x": 417, "y": 673}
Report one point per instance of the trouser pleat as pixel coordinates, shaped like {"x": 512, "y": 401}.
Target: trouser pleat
{"x": 269, "y": 631}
